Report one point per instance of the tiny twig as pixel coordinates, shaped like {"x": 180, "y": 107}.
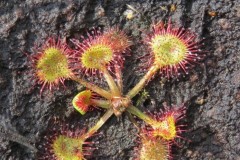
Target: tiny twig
{"x": 9, "y": 135}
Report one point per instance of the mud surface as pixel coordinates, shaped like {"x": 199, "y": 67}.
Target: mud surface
{"x": 210, "y": 91}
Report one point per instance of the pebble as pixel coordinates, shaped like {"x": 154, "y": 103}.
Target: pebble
{"x": 224, "y": 23}
{"x": 238, "y": 11}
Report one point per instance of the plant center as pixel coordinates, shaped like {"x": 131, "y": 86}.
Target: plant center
{"x": 97, "y": 56}
{"x": 66, "y": 148}
{"x": 120, "y": 104}
{"x": 168, "y": 50}
{"x": 52, "y": 65}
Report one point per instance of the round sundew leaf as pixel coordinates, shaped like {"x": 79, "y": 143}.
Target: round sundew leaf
{"x": 168, "y": 50}
{"x": 164, "y": 124}
{"x": 153, "y": 149}
{"x": 82, "y": 101}
{"x": 52, "y": 65}
{"x": 172, "y": 49}
{"x": 100, "y": 51}
{"x": 165, "y": 128}
{"x": 117, "y": 39}
{"x": 66, "y": 148}
{"x": 97, "y": 56}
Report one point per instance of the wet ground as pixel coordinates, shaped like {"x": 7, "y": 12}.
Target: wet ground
{"x": 210, "y": 91}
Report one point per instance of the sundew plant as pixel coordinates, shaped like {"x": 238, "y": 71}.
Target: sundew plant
{"x": 171, "y": 52}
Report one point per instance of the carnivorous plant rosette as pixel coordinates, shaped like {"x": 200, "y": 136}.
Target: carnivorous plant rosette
{"x": 171, "y": 50}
